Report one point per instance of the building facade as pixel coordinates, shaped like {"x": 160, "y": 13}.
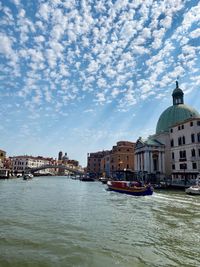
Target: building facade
{"x": 153, "y": 157}
{"x": 111, "y": 162}
{"x": 122, "y": 157}
{"x": 2, "y": 157}
{"x": 94, "y": 163}
{"x": 149, "y": 159}
{"x": 21, "y": 164}
{"x": 185, "y": 151}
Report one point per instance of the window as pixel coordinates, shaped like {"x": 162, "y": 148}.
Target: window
{"x": 192, "y": 138}
{"x": 191, "y": 123}
{"x": 179, "y": 127}
{"x": 173, "y": 166}
{"x": 172, "y": 142}
{"x": 182, "y": 154}
{"x": 198, "y": 137}
{"x": 182, "y": 126}
{"x": 171, "y": 130}
{"x": 183, "y": 140}
{"x": 198, "y": 123}
{"x": 194, "y": 165}
{"x": 183, "y": 166}
{"x": 179, "y": 141}
{"x": 193, "y": 152}
{"x": 172, "y": 155}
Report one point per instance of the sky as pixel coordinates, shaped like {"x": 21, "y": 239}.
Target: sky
{"x": 80, "y": 75}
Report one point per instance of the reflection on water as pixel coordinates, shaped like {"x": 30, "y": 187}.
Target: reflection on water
{"x": 55, "y": 221}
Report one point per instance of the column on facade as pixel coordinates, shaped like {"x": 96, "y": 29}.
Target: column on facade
{"x": 137, "y": 161}
{"x": 151, "y": 162}
{"x": 146, "y": 161}
{"x": 150, "y": 165}
{"x": 140, "y": 165}
{"x": 160, "y": 161}
{"x": 163, "y": 161}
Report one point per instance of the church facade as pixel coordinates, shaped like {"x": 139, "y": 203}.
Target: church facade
{"x": 162, "y": 155}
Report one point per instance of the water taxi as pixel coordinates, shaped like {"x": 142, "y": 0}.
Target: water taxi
{"x": 131, "y": 188}
{"x": 194, "y": 189}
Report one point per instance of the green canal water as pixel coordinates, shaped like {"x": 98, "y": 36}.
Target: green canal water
{"x": 56, "y": 221}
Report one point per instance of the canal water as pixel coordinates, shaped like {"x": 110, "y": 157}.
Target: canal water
{"x": 56, "y": 221}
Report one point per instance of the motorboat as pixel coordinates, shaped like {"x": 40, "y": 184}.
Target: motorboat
{"x": 131, "y": 188}
{"x": 87, "y": 179}
{"x": 194, "y": 189}
{"x": 28, "y": 176}
{"x": 103, "y": 180}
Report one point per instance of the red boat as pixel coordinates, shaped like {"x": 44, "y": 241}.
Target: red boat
{"x": 131, "y": 188}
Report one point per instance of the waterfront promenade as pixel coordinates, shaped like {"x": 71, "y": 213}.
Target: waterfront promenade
{"x": 56, "y": 221}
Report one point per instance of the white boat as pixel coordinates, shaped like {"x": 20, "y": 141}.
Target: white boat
{"x": 194, "y": 189}
{"x": 28, "y": 176}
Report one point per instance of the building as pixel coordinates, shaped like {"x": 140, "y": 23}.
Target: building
{"x": 22, "y": 163}
{"x": 185, "y": 151}
{"x": 60, "y": 155}
{"x": 94, "y": 163}
{"x": 121, "y": 158}
{"x": 153, "y": 157}
{"x": 110, "y": 163}
{"x": 73, "y": 162}
{"x": 2, "y": 155}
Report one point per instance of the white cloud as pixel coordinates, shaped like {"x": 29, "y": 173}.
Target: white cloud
{"x": 6, "y": 45}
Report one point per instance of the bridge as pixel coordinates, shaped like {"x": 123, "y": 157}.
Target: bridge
{"x": 70, "y": 168}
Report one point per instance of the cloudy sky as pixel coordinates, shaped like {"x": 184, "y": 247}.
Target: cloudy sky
{"x": 80, "y": 75}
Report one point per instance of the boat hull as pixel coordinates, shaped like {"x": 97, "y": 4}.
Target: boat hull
{"x": 134, "y": 191}
{"x": 193, "y": 191}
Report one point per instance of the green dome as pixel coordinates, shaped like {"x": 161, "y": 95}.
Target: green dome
{"x": 173, "y": 115}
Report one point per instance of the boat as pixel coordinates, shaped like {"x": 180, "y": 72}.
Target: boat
{"x": 194, "y": 189}
{"x": 131, "y": 188}
{"x": 103, "y": 180}
{"x": 28, "y": 176}
{"x": 87, "y": 179}
{"x": 4, "y": 173}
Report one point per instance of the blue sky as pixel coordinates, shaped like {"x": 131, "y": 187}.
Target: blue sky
{"x": 78, "y": 76}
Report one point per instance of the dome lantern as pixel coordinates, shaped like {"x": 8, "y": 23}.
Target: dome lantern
{"x": 177, "y": 95}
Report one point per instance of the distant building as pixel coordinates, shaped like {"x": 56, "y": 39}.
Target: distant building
{"x": 73, "y": 162}
{"x": 119, "y": 159}
{"x": 94, "y": 163}
{"x": 2, "y": 155}
{"x": 109, "y": 163}
{"x": 2, "y": 158}
{"x": 65, "y": 157}
{"x": 60, "y": 155}
{"x": 167, "y": 153}
{"x": 23, "y": 163}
